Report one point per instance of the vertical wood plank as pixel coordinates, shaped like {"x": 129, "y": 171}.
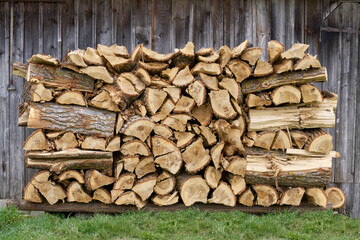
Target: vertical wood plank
{"x": 355, "y": 211}
{"x": 263, "y": 27}
{"x": 249, "y": 23}
{"x": 278, "y": 22}
{"x": 69, "y": 33}
{"x": 141, "y": 10}
{"x": 103, "y": 22}
{"x": 239, "y": 21}
{"x": 122, "y": 23}
{"x": 290, "y": 22}
{"x": 228, "y": 24}
{"x": 313, "y": 24}
{"x": 51, "y": 21}
{"x": 299, "y": 26}
{"x": 216, "y": 16}
{"x": 181, "y": 13}
{"x": 161, "y": 23}
{"x": 85, "y": 24}
{"x": 201, "y": 27}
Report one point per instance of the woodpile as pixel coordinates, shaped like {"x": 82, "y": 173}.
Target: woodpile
{"x": 219, "y": 127}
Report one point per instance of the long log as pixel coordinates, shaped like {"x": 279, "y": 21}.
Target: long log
{"x": 71, "y": 159}
{"x": 277, "y": 168}
{"x": 252, "y": 85}
{"x": 59, "y": 78}
{"x": 72, "y": 118}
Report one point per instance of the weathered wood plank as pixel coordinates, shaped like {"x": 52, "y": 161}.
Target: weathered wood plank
{"x": 201, "y": 26}
{"x": 141, "y": 10}
{"x": 277, "y": 24}
{"x": 290, "y": 6}
{"x": 85, "y": 23}
{"x": 161, "y": 29}
{"x": 263, "y": 27}
{"x": 103, "y": 22}
{"x": 51, "y": 21}
{"x": 216, "y": 16}
{"x": 68, "y": 27}
{"x": 181, "y": 18}
{"x": 122, "y": 23}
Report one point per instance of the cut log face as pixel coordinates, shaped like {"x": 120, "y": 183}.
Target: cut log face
{"x": 138, "y": 127}
{"x": 145, "y": 166}
{"x": 240, "y": 69}
{"x": 232, "y": 87}
{"x": 223, "y": 195}
{"x": 119, "y": 123}
{"x": 130, "y": 198}
{"x": 76, "y": 57}
{"x": 216, "y": 154}
{"x": 262, "y": 69}
{"x": 114, "y": 144}
{"x": 177, "y": 121}
{"x": 236, "y": 165}
{"x": 310, "y": 94}
{"x": 335, "y": 196}
{"x": 103, "y": 100}
{"x": 154, "y": 98}
{"x": 150, "y": 55}
{"x": 135, "y": 147}
{"x": 31, "y": 194}
{"x": 204, "y": 51}
{"x": 183, "y": 78}
{"x": 203, "y": 114}
{"x": 265, "y": 139}
{"x": 153, "y": 67}
{"x": 92, "y": 57}
{"x": 135, "y": 81}
{"x": 281, "y": 141}
{"x": 72, "y": 174}
{"x": 164, "y": 111}
{"x": 297, "y": 51}
{"x": 102, "y": 195}
{"x": 94, "y": 143}
{"x": 237, "y": 183}
{"x": 206, "y": 68}
{"x": 210, "y": 82}
{"x": 166, "y": 154}
{"x": 117, "y": 64}
{"x": 184, "y": 105}
{"x": 299, "y": 138}
{"x": 165, "y": 184}
{"x": 319, "y": 141}
{"x": 225, "y": 55}
{"x": 166, "y": 200}
{"x": 220, "y": 104}
{"x": 125, "y": 181}
{"x": 274, "y": 50}
{"x": 194, "y": 189}
{"x": 130, "y": 162}
{"x": 212, "y": 176}
{"x": 118, "y": 167}
{"x": 266, "y": 195}
{"x": 170, "y": 73}
{"x": 144, "y": 76}
{"x": 44, "y": 59}
{"x": 286, "y": 94}
{"x": 251, "y": 55}
{"x": 115, "y": 193}
{"x": 94, "y": 180}
{"x": 292, "y": 196}
{"x": 36, "y": 141}
{"x": 98, "y": 72}
{"x": 183, "y": 138}
{"x": 283, "y": 65}
{"x": 66, "y": 141}
{"x": 316, "y": 196}
{"x": 71, "y": 97}
{"x": 237, "y": 51}
{"x": 247, "y": 198}
{"x": 145, "y": 187}
{"x": 195, "y": 157}
{"x": 163, "y": 131}
{"x": 120, "y": 51}
{"x": 51, "y": 191}
{"x": 173, "y": 92}
{"x": 41, "y": 94}
{"x": 253, "y": 100}
{"x": 213, "y": 57}
{"x": 307, "y": 62}
{"x": 76, "y": 193}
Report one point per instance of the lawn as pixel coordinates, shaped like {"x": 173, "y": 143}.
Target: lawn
{"x": 188, "y": 224}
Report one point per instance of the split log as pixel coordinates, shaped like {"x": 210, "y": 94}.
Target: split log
{"x": 24, "y": 110}
{"x": 251, "y": 55}
{"x": 220, "y": 104}
{"x": 252, "y": 85}
{"x": 31, "y": 194}
{"x": 114, "y": 144}
{"x": 274, "y": 50}
{"x": 71, "y": 97}
{"x": 104, "y": 101}
{"x": 286, "y": 94}
{"x": 223, "y": 195}
{"x": 183, "y": 78}
{"x": 150, "y": 55}
{"x": 209, "y": 82}
{"x": 154, "y": 98}
{"x": 262, "y": 69}
{"x": 94, "y": 143}
{"x": 183, "y": 138}
{"x": 94, "y": 180}
{"x": 84, "y": 120}
{"x": 125, "y": 182}
{"x": 167, "y": 155}
{"x": 164, "y": 110}
{"x": 98, "y": 72}
{"x": 165, "y": 184}
{"x": 232, "y": 87}
{"x": 292, "y": 196}
{"x": 177, "y": 121}
{"x": 266, "y": 195}
{"x": 203, "y": 114}
{"x": 102, "y": 195}
{"x": 307, "y": 62}
{"x": 144, "y": 76}
{"x": 237, "y": 183}
{"x": 264, "y": 139}
{"x": 281, "y": 141}
{"x": 184, "y": 57}
{"x": 71, "y": 174}
{"x": 211, "y": 58}
{"x": 166, "y": 200}
{"x": 335, "y": 196}
{"x": 92, "y": 57}
{"x": 319, "y": 141}
{"x": 130, "y": 198}
{"x": 297, "y": 51}
{"x": 118, "y": 166}
{"x": 240, "y": 69}
{"x": 184, "y": 105}
{"x": 163, "y": 131}
{"x": 36, "y": 141}
{"x": 135, "y": 147}
{"x": 195, "y": 157}
{"x": 192, "y": 189}
{"x": 208, "y": 136}
{"x": 39, "y": 93}
{"x": 19, "y": 69}
{"x": 253, "y": 100}
{"x": 153, "y": 67}
{"x": 117, "y": 64}
{"x": 173, "y": 92}
{"x": 170, "y": 73}
{"x": 204, "y": 51}
{"x": 135, "y": 81}
{"x": 130, "y": 162}
{"x": 207, "y": 68}
{"x": 247, "y": 198}
{"x": 76, "y": 57}
{"x": 115, "y": 193}
{"x": 76, "y": 193}
{"x": 299, "y": 138}
{"x": 145, "y": 166}
{"x": 225, "y": 55}
{"x": 66, "y": 141}
{"x": 144, "y": 187}
{"x": 71, "y": 159}
{"x": 216, "y": 154}
{"x": 44, "y": 59}
{"x": 316, "y": 196}
{"x": 310, "y": 93}
{"x": 235, "y": 165}
{"x": 283, "y": 65}
{"x": 237, "y": 51}
{"x": 212, "y": 176}
{"x": 138, "y": 127}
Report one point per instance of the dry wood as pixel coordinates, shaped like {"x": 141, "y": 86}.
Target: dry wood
{"x": 220, "y": 104}
{"x": 281, "y": 141}
{"x": 92, "y": 57}
{"x": 76, "y": 193}
{"x": 153, "y": 67}
{"x": 95, "y": 179}
{"x": 204, "y": 51}
{"x": 31, "y": 194}
{"x": 145, "y": 166}
{"x": 76, "y": 57}
{"x": 232, "y": 87}
{"x": 130, "y": 162}
{"x": 212, "y": 176}
{"x": 224, "y": 56}
{"x": 203, "y": 114}
{"x": 119, "y": 123}
{"x": 120, "y": 51}
{"x": 235, "y": 165}
{"x": 247, "y": 198}
{"x": 94, "y": 143}
{"x": 223, "y": 195}
{"x": 77, "y": 119}
{"x": 154, "y": 98}
{"x": 167, "y": 155}
{"x": 316, "y": 196}
{"x": 251, "y": 55}
{"x": 336, "y": 197}
{"x": 135, "y": 147}
{"x": 283, "y": 65}
{"x": 266, "y": 195}
{"x": 104, "y": 101}
{"x": 209, "y": 81}
{"x": 150, "y": 55}
{"x": 173, "y": 92}
{"x": 66, "y": 141}
{"x": 71, "y": 97}
{"x": 297, "y": 51}
{"x": 135, "y": 81}
{"x": 130, "y": 198}
{"x": 177, "y": 121}
{"x": 164, "y": 110}
{"x": 125, "y": 181}
{"x": 195, "y": 157}
{"x": 144, "y": 76}
{"x": 40, "y": 94}
{"x": 216, "y": 154}
{"x": 310, "y": 93}
{"x": 44, "y": 59}
{"x": 102, "y": 195}
{"x": 183, "y": 78}
{"x": 208, "y": 136}
{"x": 183, "y": 138}
{"x": 192, "y": 189}
{"x": 299, "y": 138}
{"x": 265, "y": 139}
{"x": 163, "y": 131}
{"x": 292, "y": 196}
{"x": 184, "y": 105}
{"x": 198, "y": 92}
{"x": 71, "y": 174}
{"x": 23, "y": 116}
{"x": 262, "y": 69}
{"x": 165, "y": 183}
{"x": 138, "y": 127}
{"x": 253, "y": 100}
{"x": 166, "y": 200}
{"x": 19, "y": 69}
{"x": 307, "y": 62}
{"x": 98, "y": 72}
{"x": 118, "y": 166}
{"x": 170, "y": 73}
{"x": 207, "y": 68}
{"x": 237, "y": 183}
{"x": 286, "y": 94}
{"x": 238, "y": 50}
{"x": 248, "y": 142}
{"x": 114, "y": 144}
{"x": 319, "y": 141}
{"x": 36, "y": 141}
{"x": 115, "y": 193}
{"x": 184, "y": 57}
{"x": 144, "y": 187}
{"x": 211, "y": 58}
{"x": 240, "y": 69}
{"x": 239, "y": 124}
{"x": 274, "y": 50}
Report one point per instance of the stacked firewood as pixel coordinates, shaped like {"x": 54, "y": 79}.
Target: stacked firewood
{"x": 209, "y": 126}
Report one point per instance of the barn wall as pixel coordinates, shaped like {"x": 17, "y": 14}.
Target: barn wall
{"x": 163, "y": 25}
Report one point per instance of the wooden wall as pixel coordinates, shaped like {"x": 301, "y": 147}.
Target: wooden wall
{"x": 163, "y": 25}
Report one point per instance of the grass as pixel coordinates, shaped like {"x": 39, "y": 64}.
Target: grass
{"x": 188, "y": 224}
